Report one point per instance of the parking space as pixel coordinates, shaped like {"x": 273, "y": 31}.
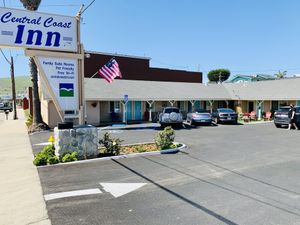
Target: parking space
{"x": 228, "y": 175}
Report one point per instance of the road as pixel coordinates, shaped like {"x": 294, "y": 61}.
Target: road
{"x": 228, "y": 175}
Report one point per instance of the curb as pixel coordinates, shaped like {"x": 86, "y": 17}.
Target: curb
{"x": 261, "y": 122}
{"x": 132, "y": 155}
{"x": 174, "y": 150}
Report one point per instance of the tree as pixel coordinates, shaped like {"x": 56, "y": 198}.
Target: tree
{"x": 37, "y": 122}
{"x": 280, "y": 75}
{"x": 218, "y": 75}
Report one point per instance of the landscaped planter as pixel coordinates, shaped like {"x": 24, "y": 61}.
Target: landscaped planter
{"x": 180, "y": 146}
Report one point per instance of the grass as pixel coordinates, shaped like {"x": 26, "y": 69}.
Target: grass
{"x": 22, "y": 83}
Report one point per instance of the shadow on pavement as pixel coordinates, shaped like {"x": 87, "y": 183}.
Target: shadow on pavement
{"x": 194, "y": 204}
{"x": 231, "y": 190}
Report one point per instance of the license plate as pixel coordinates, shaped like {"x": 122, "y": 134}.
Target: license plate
{"x": 202, "y": 120}
{"x": 229, "y": 118}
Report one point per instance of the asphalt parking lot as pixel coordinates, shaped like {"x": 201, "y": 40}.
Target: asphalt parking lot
{"x": 228, "y": 175}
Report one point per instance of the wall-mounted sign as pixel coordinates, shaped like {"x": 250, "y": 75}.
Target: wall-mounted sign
{"x": 28, "y": 29}
{"x": 61, "y": 74}
{"x": 125, "y": 98}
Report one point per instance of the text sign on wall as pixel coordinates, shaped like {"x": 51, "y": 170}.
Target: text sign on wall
{"x": 27, "y": 29}
{"x": 61, "y": 74}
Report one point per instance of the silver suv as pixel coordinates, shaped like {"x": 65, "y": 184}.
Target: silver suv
{"x": 170, "y": 116}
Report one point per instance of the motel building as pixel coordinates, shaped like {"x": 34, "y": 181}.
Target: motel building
{"x": 144, "y": 91}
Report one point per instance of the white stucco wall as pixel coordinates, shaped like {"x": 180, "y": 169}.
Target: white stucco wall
{"x": 93, "y": 112}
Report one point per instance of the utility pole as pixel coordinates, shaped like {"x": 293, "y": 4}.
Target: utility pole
{"x": 13, "y": 86}
{"x": 220, "y": 76}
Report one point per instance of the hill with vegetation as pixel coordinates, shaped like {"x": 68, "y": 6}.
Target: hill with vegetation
{"x": 22, "y": 83}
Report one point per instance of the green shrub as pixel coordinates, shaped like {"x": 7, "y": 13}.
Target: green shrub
{"x": 52, "y": 160}
{"x": 40, "y": 159}
{"x": 173, "y": 146}
{"x": 112, "y": 145}
{"x": 45, "y": 156}
{"x": 70, "y": 157}
{"x": 29, "y": 121}
{"x": 165, "y": 138}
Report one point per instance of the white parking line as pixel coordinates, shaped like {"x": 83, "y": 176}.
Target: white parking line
{"x": 72, "y": 194}
{"x": 43, "y": 144}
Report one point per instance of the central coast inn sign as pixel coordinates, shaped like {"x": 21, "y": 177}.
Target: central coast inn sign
{"x": 54, "y": 43}
{"x": 27, "y": 29}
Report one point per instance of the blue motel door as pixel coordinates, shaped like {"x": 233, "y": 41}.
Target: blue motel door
{"x": 138, "y": 110}
{"x": 129, "y": 110}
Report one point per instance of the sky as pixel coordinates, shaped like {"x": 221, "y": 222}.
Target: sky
{"x": 246, "y": 37}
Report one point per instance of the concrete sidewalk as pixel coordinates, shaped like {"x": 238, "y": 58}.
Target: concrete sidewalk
{"x": 21, "y": 197}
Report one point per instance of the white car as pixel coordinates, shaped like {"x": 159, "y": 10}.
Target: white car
{"x": 170, "y": 116}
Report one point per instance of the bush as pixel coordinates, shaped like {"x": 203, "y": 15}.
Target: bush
{"x": 112, "y": 145}
{"x": 29, "y": 121}
{"x": 40, "y": 159}
{"x": 218, "y": 75}
{"x": 165, "y": 138}
{"x": 70, "y": 157}
{"x": 52, "y": 160}
{"x": 46, "y": 156}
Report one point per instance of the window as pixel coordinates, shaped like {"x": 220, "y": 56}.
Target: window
{"x": 117, "y": 107}
{"x": 170, "y": 110}
{"x": 180, "y": 105}
{"x": 114, "y": 107}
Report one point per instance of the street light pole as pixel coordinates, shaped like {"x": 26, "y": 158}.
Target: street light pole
{"x": 13, "y": 86}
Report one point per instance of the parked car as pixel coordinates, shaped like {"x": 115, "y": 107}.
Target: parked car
{"x": 170, "y": 116}
{"x": 281, "y": 116}
{"x": 199, "y": 117}
{"x": 224, "y": 115}
{"x": 5, "y": 106}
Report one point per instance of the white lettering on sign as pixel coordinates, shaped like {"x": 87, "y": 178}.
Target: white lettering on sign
{"x": 20, "y": 28}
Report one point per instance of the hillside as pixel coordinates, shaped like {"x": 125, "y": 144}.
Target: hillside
{"x": 22, "y": 83}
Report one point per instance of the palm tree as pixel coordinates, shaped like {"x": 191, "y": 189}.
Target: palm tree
{"x": 37, "y": 120}
{"x": 280, "y": 75}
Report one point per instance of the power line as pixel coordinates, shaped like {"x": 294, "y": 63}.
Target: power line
{"x": 87, "y": 6}
{"x": 5, "y": 57}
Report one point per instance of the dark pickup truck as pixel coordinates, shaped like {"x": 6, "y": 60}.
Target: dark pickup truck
{"x": 281, "y": 117}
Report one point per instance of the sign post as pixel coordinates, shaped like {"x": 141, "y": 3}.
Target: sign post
{"x": 125, "y": 100}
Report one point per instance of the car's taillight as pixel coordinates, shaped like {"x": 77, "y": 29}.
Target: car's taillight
{"x": 221, "y": 114}
{"x": 194, "y": 116}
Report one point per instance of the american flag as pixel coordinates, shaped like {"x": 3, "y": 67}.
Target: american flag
{"x": 110, "y": 71}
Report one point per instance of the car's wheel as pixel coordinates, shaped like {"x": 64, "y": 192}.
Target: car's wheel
{"x": 277, "y": 125}
{"x": 173, "y": 116}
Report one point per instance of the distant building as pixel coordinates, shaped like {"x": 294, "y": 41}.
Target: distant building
{"x": 251, "y": 78}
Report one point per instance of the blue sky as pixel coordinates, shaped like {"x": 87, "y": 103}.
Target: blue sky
{"x": 246, "y": 37}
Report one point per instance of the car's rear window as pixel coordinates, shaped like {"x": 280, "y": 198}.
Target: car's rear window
{"x": 283, "y": 110}
{"x": 170, "y": 110}
{"x": 226, "y": 111}
{"x": 202, "y": 111}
